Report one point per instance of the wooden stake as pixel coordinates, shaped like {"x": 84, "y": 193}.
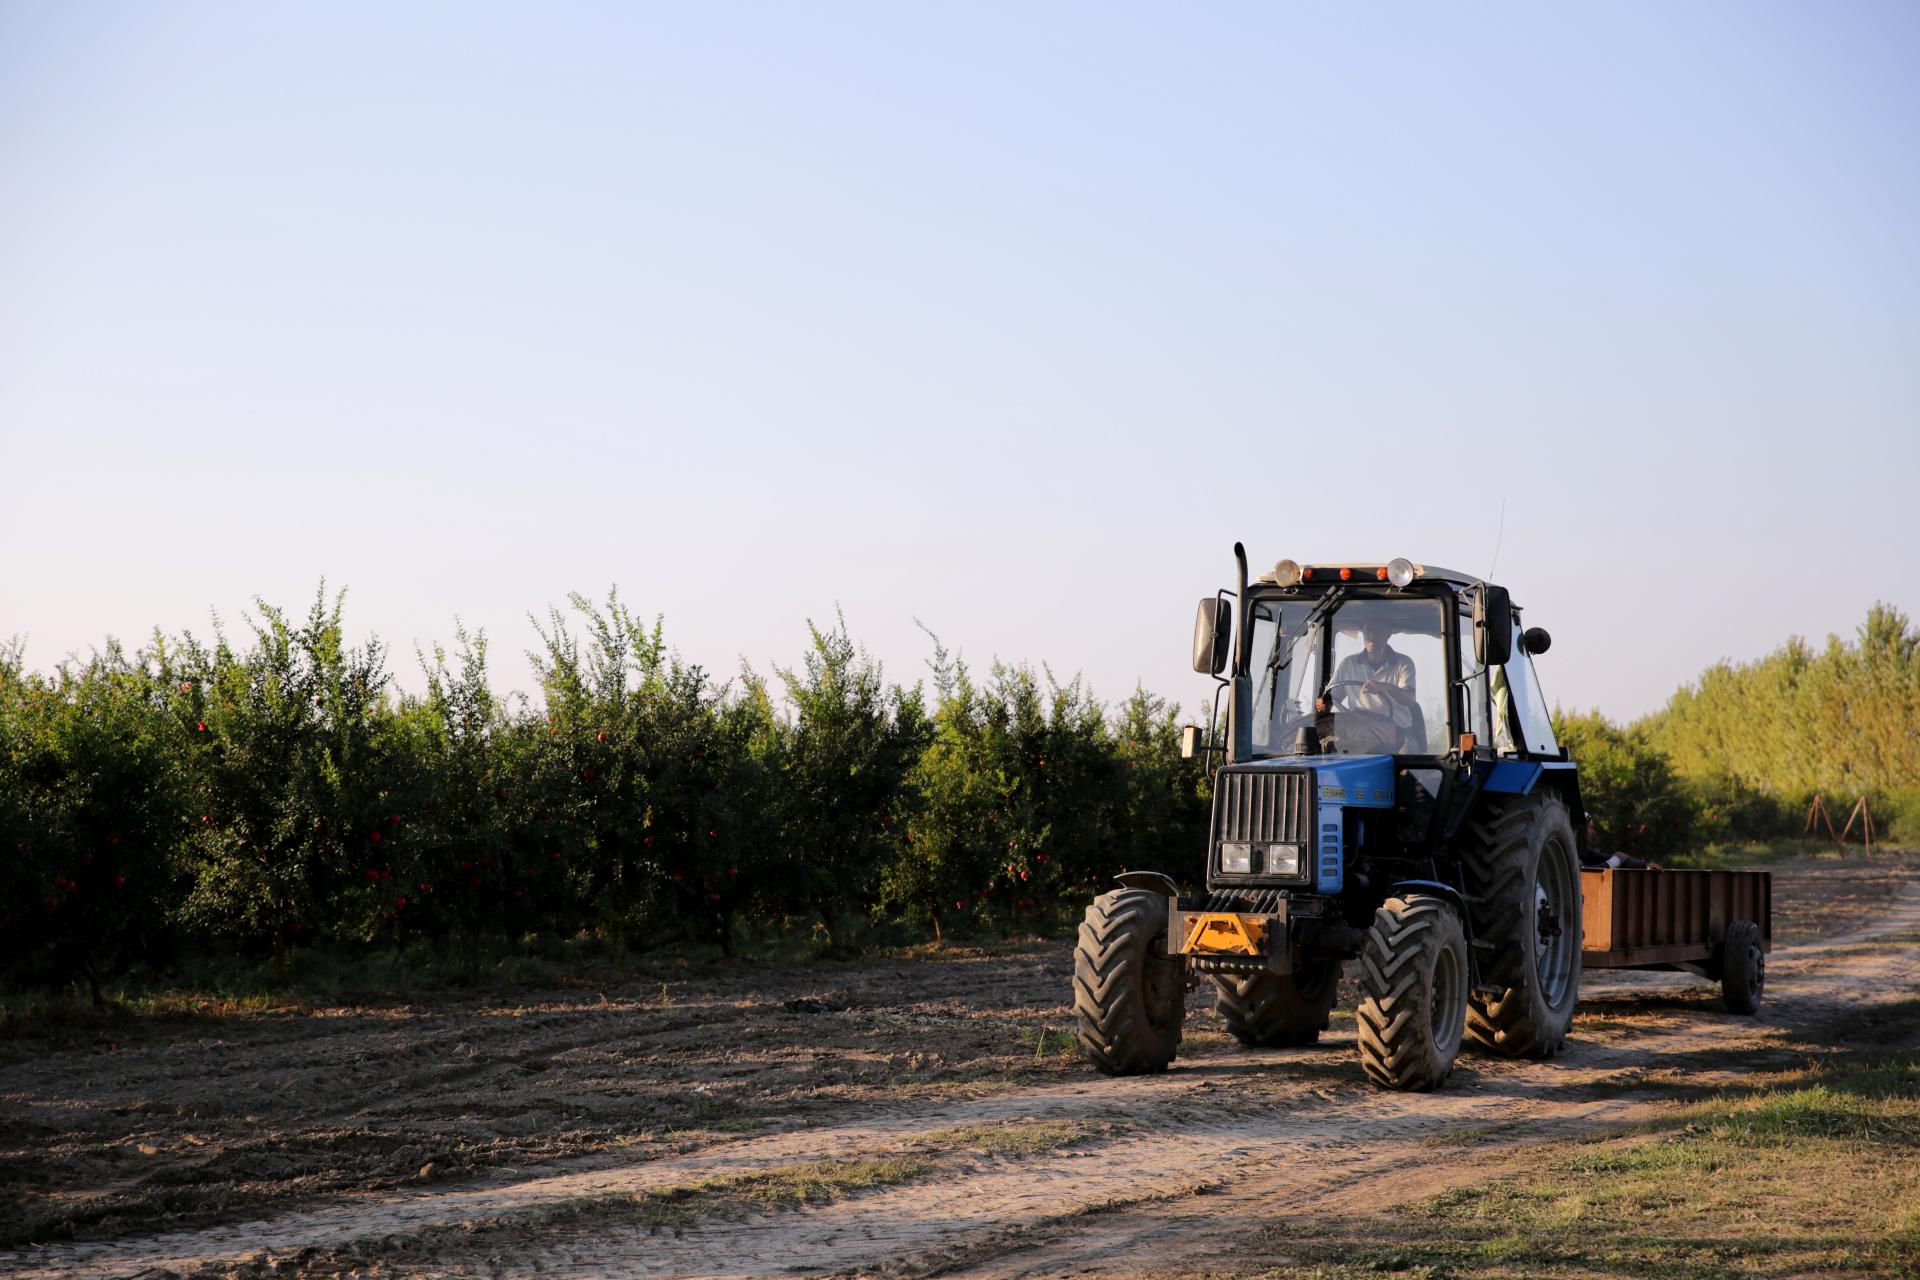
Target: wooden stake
{"x": 1865, "y": 815}
{"x": 1818, "y": 810}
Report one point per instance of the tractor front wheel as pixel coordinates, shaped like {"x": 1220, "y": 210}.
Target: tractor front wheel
{"x": 1278, "y": 1010}
{"x": 1413, "y": 993}
{"x": 1128, "y": 994}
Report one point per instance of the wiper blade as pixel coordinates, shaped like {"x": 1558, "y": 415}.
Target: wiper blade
{"x": 1327, "y": 602}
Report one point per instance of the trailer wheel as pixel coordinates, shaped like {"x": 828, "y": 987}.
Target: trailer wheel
{"x": 1413, "y": 983}
{"x": 1525, "y": 871}
{"x": 1278, "y": 1010}
{"x": 1743, "y": 967}
{"x": 1128, "y": 997}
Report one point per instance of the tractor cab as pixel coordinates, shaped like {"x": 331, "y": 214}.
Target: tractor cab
{"x": 1396, "y": 659}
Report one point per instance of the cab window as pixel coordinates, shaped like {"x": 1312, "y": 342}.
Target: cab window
{"x": 1474, "y": 685}
{"x": 1531, "y": 720}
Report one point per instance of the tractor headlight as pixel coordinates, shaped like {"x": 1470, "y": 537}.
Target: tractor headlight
{"x": 1283, "y": 860}
{"x": 1239, "y": 858}
{"x": 1400, "y": 572}
{"x": 1286, "y": 573}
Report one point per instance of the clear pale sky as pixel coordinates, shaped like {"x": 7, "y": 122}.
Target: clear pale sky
{"x": 1009, "y": 318}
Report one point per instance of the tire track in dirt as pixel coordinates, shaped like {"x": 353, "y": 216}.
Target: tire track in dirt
{"x": 1218, "y": 1143}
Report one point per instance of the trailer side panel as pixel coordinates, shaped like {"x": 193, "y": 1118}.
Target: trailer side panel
{"x": 1668, "y": 917}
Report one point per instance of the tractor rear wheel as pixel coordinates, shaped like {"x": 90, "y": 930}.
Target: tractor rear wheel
{"x": 1278, "y": 1010}
{"x": 1525, "y": 876}
{"x": 1413, "y": 985}
{"x": 1743, "y": 967}
{"x": 1128, "y": 994}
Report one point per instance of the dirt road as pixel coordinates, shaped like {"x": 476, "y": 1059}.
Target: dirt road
{"x": 572, "y": 1135}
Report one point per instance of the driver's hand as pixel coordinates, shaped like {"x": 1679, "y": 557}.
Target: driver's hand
{"x": 1367, "y": 687}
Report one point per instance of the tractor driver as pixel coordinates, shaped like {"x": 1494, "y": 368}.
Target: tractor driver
{"x": 1378, "y": 679}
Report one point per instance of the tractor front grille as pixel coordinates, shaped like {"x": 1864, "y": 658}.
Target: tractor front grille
{"x": 1266, "y": 902}
{"x": 1263, "y": 805}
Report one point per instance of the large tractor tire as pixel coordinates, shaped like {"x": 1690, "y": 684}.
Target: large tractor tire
{"x": 1278, "y": 1010}
{"x": 1128, "y": 995}
{"x": 1743, "y": 967}
{"x": 1525, "y": 871}
{"x": 1413, "y": 984}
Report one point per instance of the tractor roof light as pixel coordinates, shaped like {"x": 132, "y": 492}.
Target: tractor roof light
{"x": 1286, "y": 573}
{"x": 1399, "y": 571}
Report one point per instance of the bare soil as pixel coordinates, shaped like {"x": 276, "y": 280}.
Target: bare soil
{"x": 608, "y": 1131}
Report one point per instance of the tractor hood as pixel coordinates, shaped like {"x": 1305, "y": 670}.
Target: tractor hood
{"x": 1365, "y": 781}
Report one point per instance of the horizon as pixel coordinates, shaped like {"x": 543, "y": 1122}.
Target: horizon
{"x": 400, "y": 669}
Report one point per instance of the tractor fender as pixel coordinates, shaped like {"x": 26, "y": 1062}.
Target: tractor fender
{"x": 1521, "y": 777}
{"x": 1153, "y": 881}
{"x": 1433, "y": 888}
{"x": 1452, "y": 896}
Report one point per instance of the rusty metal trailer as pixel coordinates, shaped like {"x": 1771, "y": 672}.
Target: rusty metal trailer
{"x": 1718, "y": 924}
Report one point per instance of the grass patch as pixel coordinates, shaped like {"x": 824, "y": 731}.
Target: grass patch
{"x": 1475, "y": 1135}
{"x": 1011, "y": 1140}
{"x": 1741, "y": 857}
{"x": 1047, "y": 1042}
{"x": 713, "y": 1129}
{"x": 1814, "y": 1171}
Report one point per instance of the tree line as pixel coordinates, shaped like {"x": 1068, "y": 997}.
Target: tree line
{"x": 284, "y": 792}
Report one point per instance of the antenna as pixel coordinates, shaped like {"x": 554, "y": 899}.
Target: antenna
{"x": 1497, "y": 538}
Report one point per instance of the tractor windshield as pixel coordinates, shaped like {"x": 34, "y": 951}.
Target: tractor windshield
{"x": 1367, "y": 675}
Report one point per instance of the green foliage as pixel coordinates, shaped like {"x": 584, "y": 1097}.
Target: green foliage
{"x": 1028, "y": 794}
{"x": 1639, "y": 805}
{"x": 643, "y": 784}
{"x": 285, "y": 762}
{"x": 90, "y": 788}
{"x": 251, "y": 799}
{"x": 843, "y": 773}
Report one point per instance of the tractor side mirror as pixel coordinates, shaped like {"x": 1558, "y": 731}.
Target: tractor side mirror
{"x": 1212, "y": 633}
{"x": 1189, "y": 741}
{"x": 1492, "y": 626}
{"x": 1536, "y": 640}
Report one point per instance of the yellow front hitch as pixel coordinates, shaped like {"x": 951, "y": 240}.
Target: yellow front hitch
{"x": 1223, "y": 933}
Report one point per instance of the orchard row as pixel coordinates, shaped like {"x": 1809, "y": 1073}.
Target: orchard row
{"x": 282, "y": 791}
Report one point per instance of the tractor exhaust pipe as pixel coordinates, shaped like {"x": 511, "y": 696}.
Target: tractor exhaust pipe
{"x": 1239, "y": 721}
{"x": 1240, "y": 611}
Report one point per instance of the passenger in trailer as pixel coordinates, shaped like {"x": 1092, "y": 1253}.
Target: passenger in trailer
{"x": 1594, "y": 859}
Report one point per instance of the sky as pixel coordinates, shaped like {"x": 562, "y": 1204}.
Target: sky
{"x": 1005, "y": 321}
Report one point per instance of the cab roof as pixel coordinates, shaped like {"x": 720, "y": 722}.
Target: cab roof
{"x": 1367, "y": 570}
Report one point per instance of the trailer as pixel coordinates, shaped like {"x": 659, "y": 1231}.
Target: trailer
{"x": 1717, "y": 924}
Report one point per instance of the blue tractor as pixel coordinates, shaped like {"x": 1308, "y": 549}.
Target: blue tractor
{"x": 1391, "y": 794}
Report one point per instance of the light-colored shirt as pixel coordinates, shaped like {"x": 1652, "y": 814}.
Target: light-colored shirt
{"x": 1394, "y": 668}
